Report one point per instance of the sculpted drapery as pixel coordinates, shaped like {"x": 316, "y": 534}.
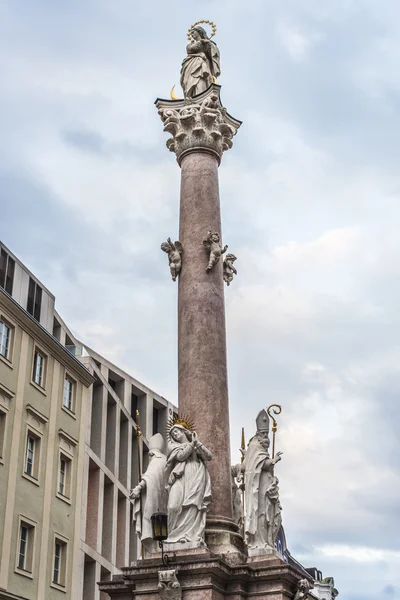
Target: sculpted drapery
{"x": 201, "y": 65}
{"x": 262, "y": 505}
{"x": 188, "y": 486}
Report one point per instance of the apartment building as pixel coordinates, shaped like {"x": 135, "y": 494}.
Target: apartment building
{"x": 107, "y": 444}
{"x": 43, "y": 397}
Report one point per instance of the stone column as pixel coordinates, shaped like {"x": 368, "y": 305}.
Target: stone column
{"x": 201, "y": 131}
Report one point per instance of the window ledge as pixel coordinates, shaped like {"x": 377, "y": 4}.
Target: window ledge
{"x": 40, "y": 389}
{"x": 60, "y": 588}
{"x": 64, "y": 498}
{"x": 1, "y": 460}
{"x": 6, "y": 361}
{"x": 31, "y": 479}
{"x": 24, "y": 573}
{"x": 69, "y": 412}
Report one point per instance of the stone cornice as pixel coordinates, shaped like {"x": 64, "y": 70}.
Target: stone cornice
{"x": 36, "y": 413}
{"x": 44, "y": 338}
{"x": 68, "y": 438}
{"x": 199, "y": 124}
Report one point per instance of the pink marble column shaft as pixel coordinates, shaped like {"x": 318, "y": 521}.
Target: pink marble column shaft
{"x": 203, "y": 386}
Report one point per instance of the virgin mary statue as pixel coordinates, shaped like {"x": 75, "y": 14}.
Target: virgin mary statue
{"x": 188, "y": 486}
{"x": 201, "y": 65}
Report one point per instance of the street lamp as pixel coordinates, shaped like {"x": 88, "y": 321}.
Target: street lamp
{"x": 159, "y": 526}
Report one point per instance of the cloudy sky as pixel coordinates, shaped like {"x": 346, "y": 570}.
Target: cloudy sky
{"x": 310, "y": 199}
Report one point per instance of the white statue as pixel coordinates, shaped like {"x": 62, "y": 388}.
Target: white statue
{"x": 188, "y": 485}
{"x": 202, "y": 64}
{"x": 174, "y": 251}
{"x": 213, "y": 246}
{"x": 303, "y": 587}
{"x": 229, "y": 269}
{"x": 236, "y": 481}
{"x": 262, "y": 506}
{"x": 150, "y": 495}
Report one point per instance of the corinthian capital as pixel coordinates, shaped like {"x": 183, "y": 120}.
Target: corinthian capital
{"x": 199, "y": 124}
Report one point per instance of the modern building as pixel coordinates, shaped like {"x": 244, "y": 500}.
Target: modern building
{"x": 68, "y": 449}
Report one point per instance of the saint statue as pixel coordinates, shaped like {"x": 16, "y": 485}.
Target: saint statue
{"x": 262, "y": 506}
{"x": 202, "y": 64}
{"x": 188, "y": 486}
{"x": 150, "y": 495}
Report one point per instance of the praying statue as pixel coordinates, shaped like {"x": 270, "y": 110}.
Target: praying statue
{"x": 188, "y": 486}
{"x": 150, "y": 495}
{"x": 262, "y": 505}
{"x": 201, "y": 66}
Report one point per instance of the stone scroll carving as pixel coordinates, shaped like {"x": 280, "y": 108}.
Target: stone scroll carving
{"x": 303, "y": 587}
{"x": 169, "y": 587}
{"x": 213, "y": 246}
{"x": 174, "y": 251}
{"x": 229, "y": 270}
{"x": 198, "y": 124}
{"x": 201, "y": 66}
{"x": 189, "y": 487}
{"x": 262, "y": 505}
{"x": 150, "y": 495}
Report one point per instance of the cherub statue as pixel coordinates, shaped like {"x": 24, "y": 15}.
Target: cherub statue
{"x": 211, "y": 243}
{"x": 174, "y": 251}
{"x": 229, "y": 269}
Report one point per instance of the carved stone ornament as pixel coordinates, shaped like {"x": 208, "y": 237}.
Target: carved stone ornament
{"x": 198, "y": 124}
{"x": 174, "y": 251}
{"x": 213, "y": 246}
{"x": 229, "y": 269}
{"x": 303, "y": 587}
{"x": 169, "y": 587}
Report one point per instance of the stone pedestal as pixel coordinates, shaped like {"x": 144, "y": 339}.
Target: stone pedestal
{"x": 206, "y": 577}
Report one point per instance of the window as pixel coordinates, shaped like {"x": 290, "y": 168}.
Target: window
{"x": 32, "y": 455}
{"x": 59, "y": 561}
{"x": 64, "y": 476}
{"x": 34, "y": 299}
{"x": 25, "y": 546}
{"x": 5, "y": 339}
{"x": 68, "y": 394}
{"x": 3, "y": 417}
{"x": 39, "y": 364}
{"x": 7, "y": 266}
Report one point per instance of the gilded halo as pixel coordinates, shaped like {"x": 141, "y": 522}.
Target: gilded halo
{"x": 212, "y": 25}
{"x": 185, "y": 422}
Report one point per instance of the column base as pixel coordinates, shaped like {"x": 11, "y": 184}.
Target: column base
{"x": 204, "y": 577}
{"x": 224, "y": 540}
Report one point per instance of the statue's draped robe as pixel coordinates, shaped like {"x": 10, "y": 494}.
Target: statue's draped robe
{"x": 154, "y": 496}
{"x": 189, "y": 493}
{"x": 199, "y": 67}
{"x": 262, "y": 508}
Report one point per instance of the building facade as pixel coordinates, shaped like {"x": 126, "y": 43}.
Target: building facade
{"x": 69, "y": 450}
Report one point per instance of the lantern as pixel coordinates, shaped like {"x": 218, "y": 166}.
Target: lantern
{"x": 159, "y": 526}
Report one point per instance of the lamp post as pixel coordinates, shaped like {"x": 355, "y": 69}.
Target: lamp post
{"x": 159, "y": 526}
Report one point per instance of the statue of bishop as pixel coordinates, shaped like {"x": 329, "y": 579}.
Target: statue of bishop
{"x": 150, "y": 495}
{"x": 262, "y": 506}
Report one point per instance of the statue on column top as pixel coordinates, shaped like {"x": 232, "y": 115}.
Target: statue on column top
{"x": 201, "y": 66}
{"x": 149, "y": 495}
{"x": 262, "y": 505}
{"x": 188, "y": 485}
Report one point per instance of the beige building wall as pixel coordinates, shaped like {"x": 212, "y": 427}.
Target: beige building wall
{"x": 99, "y": 438}
{"x": 35, "y": 499}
